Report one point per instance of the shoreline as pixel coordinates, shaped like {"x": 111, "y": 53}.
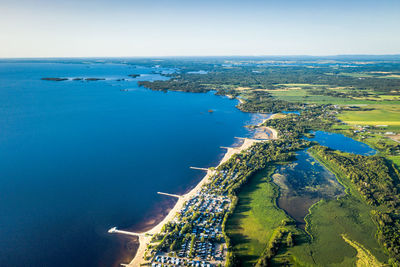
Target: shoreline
{"x": 145, "y": 237}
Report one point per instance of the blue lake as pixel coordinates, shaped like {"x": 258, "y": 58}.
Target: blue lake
{"x": 77, "y": 158}
{"x": 343, "y": 143}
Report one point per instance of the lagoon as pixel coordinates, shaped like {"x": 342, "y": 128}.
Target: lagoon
{"x": 305, "y": 181}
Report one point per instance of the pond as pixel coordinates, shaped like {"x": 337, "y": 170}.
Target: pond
{"x": 305, "y": 181}
{"x": 343, "y": 143}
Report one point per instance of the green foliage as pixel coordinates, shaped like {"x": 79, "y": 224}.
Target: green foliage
{"x": 289, "y": 240}
{"x": 377, "y": 181}
{"x": 375, "y": 178}
{"x": 255, "y": 218}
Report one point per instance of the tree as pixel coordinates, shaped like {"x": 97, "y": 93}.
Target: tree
{"x": 289, "y": 240}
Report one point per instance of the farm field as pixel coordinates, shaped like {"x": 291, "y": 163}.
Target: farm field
{"x": 302, "y": 93}
{"x": 379, "y": 115}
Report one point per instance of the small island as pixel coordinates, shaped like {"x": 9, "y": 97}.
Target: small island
{"x": 94, "y": 79}
{"x": 74, "y": 79}
{"x": 55, "y": 79}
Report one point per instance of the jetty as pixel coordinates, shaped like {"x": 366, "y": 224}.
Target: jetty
{"x": 225, "y": 147}
{"x": 170, "y": 195}
{"x": 253, "y": 139}
{"x": 114, "y": 230}
{"x": 198, "y": 168}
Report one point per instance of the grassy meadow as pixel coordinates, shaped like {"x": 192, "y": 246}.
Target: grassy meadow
{"x": 378, "y": 115}
{"x": 329, "y": 221}
{"x": 256, "y": 218}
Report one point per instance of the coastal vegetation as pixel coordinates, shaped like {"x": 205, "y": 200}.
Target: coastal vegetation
{"x": 358, "y": 99}
{"x": 302, "y": 249}
{"x": 328, "y": 220}
{"x": 377, "y": 182}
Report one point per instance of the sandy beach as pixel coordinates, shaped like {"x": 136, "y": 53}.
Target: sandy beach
{"x": 145, "y": 237}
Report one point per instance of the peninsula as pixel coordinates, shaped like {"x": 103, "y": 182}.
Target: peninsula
{"x": 211, "y": 225}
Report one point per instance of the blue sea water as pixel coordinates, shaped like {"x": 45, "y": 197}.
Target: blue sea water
{"x": 77, "y": 158}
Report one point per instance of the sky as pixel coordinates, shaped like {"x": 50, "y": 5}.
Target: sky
{"x": 132, "y": 28}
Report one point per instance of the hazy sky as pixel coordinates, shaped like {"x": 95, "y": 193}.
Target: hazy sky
{"x": 55, "y": 28}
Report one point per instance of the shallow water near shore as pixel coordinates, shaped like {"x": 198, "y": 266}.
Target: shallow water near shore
{"x": 77, "y": 158}
{"x": 305, "y": 181}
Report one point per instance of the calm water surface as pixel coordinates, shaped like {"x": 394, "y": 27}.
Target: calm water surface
{"x": 77, "y": 158}
{"x": 343, "y": 143}
{"x": 305, "y": 181}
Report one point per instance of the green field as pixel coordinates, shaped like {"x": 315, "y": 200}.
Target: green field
{"x": 380, "y": 115}
{"x": 384, "y": 109}
{"x": 371, "y": 75}
{"x": 329, "y": 220}
{"x": 301, "y": 95}
{"x": 256, "y": 217}
{"x": 298, "y": 94}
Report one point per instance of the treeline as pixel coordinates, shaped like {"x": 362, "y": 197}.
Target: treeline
{"x": 270, "y": 77}
{"x": 378, "y": 182}
{"x": 350, "y": 93}
{"x": 281, "y": 238}
{"x": 175, "y": 85}
{"x": 389, "y": 233}
{"x": 376, "y": 179}
{"x": 263, "y": 102}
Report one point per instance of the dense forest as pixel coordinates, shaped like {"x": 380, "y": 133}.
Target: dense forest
{"x": 258, "y": 76}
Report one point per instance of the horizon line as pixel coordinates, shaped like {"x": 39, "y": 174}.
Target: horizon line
{"x": 205, "y": 56}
